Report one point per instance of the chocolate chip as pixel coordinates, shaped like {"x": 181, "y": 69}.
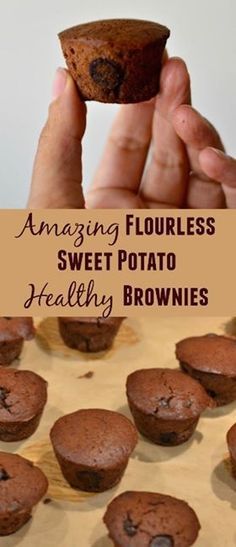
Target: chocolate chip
{"x": 8, "y": 318}
{"x": 162, "y": 541}
{"x": 91, "y": 479}
{"x": 212, "y": 393}
{"x": 168, "y": 438}
{"x": 130, "y": 528}
{"x": 4, "y": 475}
{"x": 106, "y": 73}
{"x": 3, "y": 396}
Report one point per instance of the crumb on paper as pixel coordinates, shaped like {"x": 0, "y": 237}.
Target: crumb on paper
{"x": 88, "y": 374}
{"x": 47, "y": 500}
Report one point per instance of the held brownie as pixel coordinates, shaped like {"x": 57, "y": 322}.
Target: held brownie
{"x": 211, "y": 359}
{"x": 22, "y": 485}
{"x": 166, "y": 404}
{"x": 231, "y": 441}
{"x": 146, "y": 519}
{"x": 93, "y": 447}
{"x": 89, "y": 334}
{"x": 23, "y": 395}
{"x": 115, "y": 60}
{"x": 13, "y": 332}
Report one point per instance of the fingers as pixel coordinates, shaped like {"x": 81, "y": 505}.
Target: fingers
{"x": 197, "y": 134}
{"x": 117, "y": 198}
{"x": 126, "y": 150}
{"x": 57, "y": 174}
{"x": 218, "y": 166}
{"x": 167, "y": 175}
{"x": 221, "y": 168}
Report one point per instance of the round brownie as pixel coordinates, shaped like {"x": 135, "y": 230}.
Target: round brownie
{"x": 115, "y": 60}
{"x": 231, "y": 441}
{"x": 13, "y": 332}
{"x": 23, "y": 395}
{"x": 211, "y": 359}
{"x": 166, "y": 404}
{"x": 146, "y": 519}
{"x": 89, "y": 334}
{"x": 22, "y": 485}
{"x": 93, "y": 447}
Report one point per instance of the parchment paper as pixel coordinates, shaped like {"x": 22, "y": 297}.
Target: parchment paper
{"x": 197, "y": 471}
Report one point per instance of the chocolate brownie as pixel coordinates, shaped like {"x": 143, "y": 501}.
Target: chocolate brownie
{"x": 13, "y": 332}
{"x": 231, "y": 441}
{"x": 211, "y": 359}
{"x": 93, "y": 447}
{"x": 166, "y": 404}
{"x": 22, "y": 485}
{"x": 23, "y": 395}
{"x": 115, "y": 60}
{"x": 89, "y": 334}
{"x": 146, "y": 519}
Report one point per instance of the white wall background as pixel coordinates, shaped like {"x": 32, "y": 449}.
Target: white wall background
{"x": 203, "y": 33}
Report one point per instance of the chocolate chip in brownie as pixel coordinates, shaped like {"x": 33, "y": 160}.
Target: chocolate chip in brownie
{"x": 129, "y": 527}
{"x": 106, "y": 73}
{"x": 4, "y": 475}
{"x": 168, "y": 438}
{"x": 212, "y": 393}
{"x": 92, "y": 478}
{"x": 3, "y": 396}
{"x": 162, "y": 541}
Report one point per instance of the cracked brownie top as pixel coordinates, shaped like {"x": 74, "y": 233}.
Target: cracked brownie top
{"x": 166, "y": 394}
{"x": 145, "y": 519}
{"x": 23, "y": 394}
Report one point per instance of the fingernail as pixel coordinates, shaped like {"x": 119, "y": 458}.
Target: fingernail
{"x": 59, "y": 83}
{"x": 217, "y": 151}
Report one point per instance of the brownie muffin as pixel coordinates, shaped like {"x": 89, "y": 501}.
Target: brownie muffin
{"x": 115, "y": 60}
{"x": 13, "y": 332}
{"x": 211, "y": 359}
{"x": 145, "y": 519}
{"x": 166, "y": 404}
{"x": 23, "y": 395}
{"x": 89, "y": 334}
{"x": 231, "y": 441}
{"x": 93, "y": 447}
{"x": 22, "y": 485}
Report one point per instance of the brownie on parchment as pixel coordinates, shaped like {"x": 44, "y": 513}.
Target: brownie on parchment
{"x": 23, "y": 395}
{"x": 115, "y": 60}
{"x": 13, "y": 332}
{"x": 93, "y": 447}
{"x": 22, "y": 485}
{"x": 211, "y": 359}
{"x": 166, "y": 404}
{"x": 89, "y": 334}
{"x": 146, "y": 519}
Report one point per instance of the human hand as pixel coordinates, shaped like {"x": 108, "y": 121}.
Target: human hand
{"x": 187, "y": 167}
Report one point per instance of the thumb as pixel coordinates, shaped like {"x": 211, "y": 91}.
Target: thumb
{"x": 57, "y": 173}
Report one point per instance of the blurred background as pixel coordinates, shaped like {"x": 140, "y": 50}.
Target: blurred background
{"x": 202, "y": 32}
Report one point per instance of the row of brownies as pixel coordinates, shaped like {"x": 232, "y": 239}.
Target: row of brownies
{"x": 93, "y": 446}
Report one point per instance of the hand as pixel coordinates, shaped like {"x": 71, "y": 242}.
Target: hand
{"x": 186, "y": 167}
